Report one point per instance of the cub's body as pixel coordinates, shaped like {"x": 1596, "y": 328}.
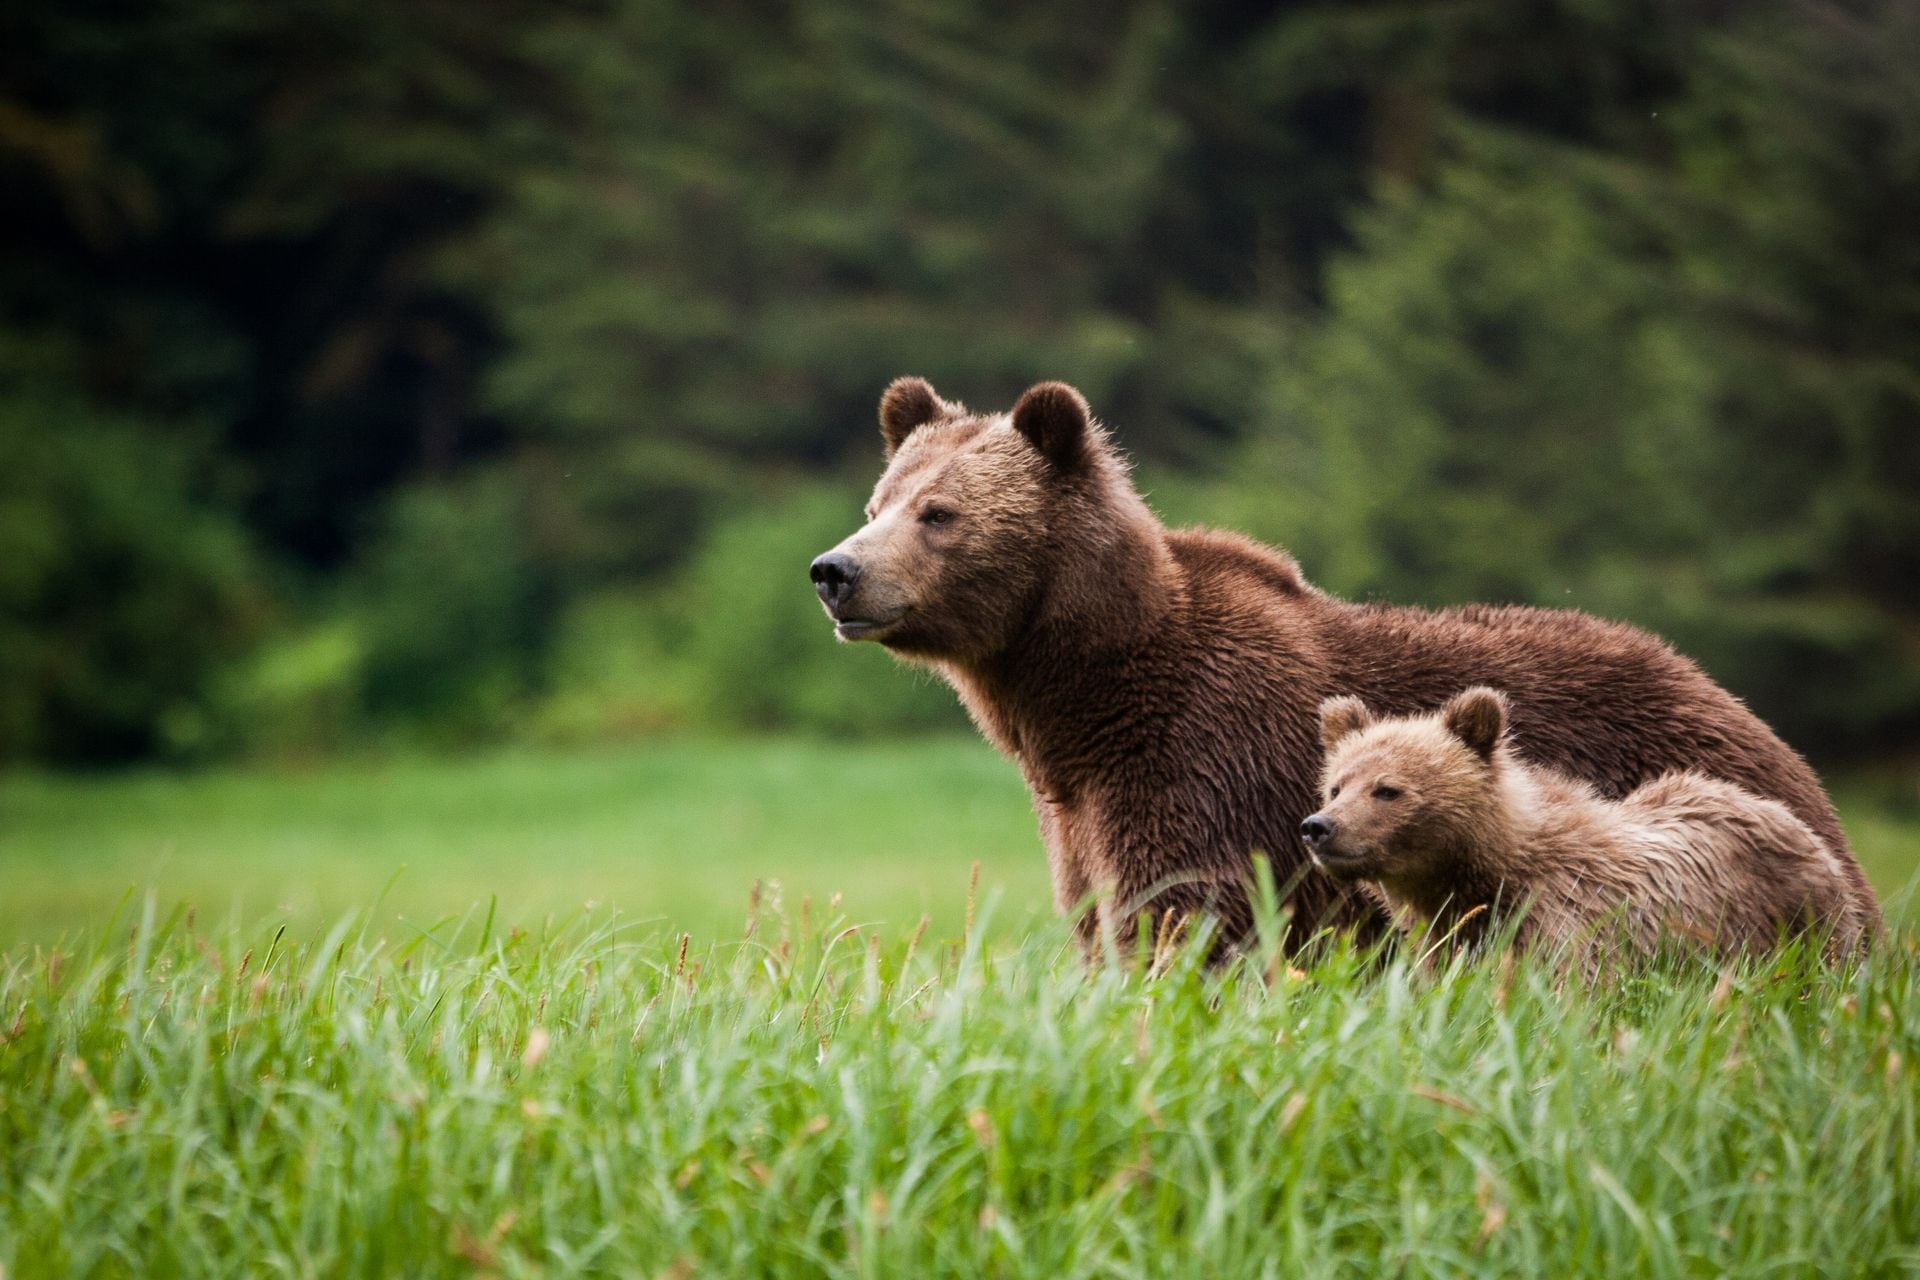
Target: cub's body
{"x": 1455, "y": 832}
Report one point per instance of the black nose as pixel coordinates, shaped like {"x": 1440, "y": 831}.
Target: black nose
{"x": 1317, "y": 830}
{"x": 833, "y": 577}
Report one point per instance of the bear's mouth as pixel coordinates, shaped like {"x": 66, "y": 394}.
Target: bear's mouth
{"x": 865, "y": 628}
{"x": 1348, "y": 864}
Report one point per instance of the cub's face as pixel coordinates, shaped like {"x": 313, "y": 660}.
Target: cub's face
{"x": 1395, "y": 793}
{"x": 1374, "y": 802}
{"x": 954, "y": 554}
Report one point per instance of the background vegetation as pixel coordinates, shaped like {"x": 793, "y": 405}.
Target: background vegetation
{"x": 447, "y": 372}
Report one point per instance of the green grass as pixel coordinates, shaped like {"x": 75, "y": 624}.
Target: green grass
{"x": 823, "y": 1101}
{"x": 359, "y": 1022}
{"x": 677, "y": 832}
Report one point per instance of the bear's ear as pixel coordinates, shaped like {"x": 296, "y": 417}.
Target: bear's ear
{"x": 906, "y": 405}
{"x": 1055, "y": 420}
{"x": 1340, "y": 718}
{"x": 1477, "y": 717}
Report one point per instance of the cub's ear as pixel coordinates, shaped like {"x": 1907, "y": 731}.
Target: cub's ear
{"x": 906, "y": 405}
{"x": 1477, "y": 716}
{"x": 1340, "y": 718}
{"x": 1055, "y": 420}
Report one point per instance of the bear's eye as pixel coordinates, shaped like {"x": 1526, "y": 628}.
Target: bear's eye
{"x": 1335, "y": 793}
{"x": 1385, "y": 792}
{"x": 936, "y": 516}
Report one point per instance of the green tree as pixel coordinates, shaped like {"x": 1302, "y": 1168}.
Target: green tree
{"x": 1669, "y": 387}
{"x": 125, "y": 578}
{"x": 730, "y": 251}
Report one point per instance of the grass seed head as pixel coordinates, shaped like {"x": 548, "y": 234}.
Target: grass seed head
{"x": 1493, "y": 1213}
{"x": 1444, "y": 1098}
{"x": 1721, "y": 990}
{"x": 973, "y": 894}
{"x": 539, "y": 1040}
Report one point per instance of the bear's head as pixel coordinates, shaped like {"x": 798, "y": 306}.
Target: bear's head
{"x": 1398, "y": 796}
{"x": 966, "y": 529}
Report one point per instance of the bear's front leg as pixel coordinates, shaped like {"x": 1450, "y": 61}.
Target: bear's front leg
{"x": 1073, "y": 882}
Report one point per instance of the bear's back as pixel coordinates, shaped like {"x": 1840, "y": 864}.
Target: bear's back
{"x": 1735, "y": 865}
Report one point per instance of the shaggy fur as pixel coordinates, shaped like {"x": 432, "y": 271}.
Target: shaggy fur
{"x": 1457, "y": 832}
{"x": 1160, "y": 690}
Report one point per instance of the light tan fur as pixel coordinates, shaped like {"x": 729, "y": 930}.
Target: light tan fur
{"x": 1456, "y": 832}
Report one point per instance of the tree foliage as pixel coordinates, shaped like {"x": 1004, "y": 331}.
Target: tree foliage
{"x": 429, "y": 359}
{"x": 124, "y": 576}
{"x": 1665, "y": 408}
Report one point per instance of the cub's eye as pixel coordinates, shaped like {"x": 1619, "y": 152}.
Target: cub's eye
{"x": 936, "y": 516}
{"x": 1385, "y": 792}
{"x": 1335, "y": 793}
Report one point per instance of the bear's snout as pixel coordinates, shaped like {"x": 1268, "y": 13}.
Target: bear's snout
{"x": 833, "y": 577}
{"x": 1317, "y": 830}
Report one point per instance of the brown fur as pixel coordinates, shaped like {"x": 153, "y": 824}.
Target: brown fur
{"x": 1160, "y": 689}
{"x": 1457, "y": 832}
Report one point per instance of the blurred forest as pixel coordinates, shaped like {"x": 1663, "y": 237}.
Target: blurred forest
{"x": 437, "y": 372}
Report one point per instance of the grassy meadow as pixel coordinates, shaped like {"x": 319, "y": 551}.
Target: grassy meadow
{"x": 517, "y": 1016}
{"x": 675, "y": 833}
{"x": 830, "y": 1101}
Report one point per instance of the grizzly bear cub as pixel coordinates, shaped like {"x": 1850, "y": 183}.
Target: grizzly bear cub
{"x": 1455, "y": 830}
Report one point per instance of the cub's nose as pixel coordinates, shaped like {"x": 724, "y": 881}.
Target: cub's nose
{"x": 833, "y": 577}
{"x": 1317, "y": 830}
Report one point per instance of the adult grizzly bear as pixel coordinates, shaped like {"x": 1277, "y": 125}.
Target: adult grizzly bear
{"x": 1455, "y": 831}
{"x": 1160, "y": 689}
